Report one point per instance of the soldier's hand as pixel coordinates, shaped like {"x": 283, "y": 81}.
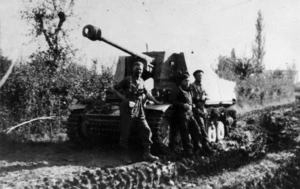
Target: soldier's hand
{"x": 186, "y": 106}
{"x": 131, "y": 104}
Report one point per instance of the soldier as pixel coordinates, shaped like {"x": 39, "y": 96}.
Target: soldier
{"x": 132, "y": 111}
{"x": 199, "y": 97}
{"x": 182, "y": 101}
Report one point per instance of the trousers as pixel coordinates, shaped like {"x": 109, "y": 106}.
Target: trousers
{"x": 189, "y": 126}
{"x": 131, "y": 118}
{"x": 202, "y": 121}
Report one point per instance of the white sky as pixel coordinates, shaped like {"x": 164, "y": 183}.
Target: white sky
{"x": 209, "y": 28}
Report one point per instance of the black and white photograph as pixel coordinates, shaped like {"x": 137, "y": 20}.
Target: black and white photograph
{"x": 133, "y": 94}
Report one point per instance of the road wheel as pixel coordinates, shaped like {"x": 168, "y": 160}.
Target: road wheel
{"x": 74, "y": 126}
{"x": 220, "y": 131}
{"x": 211, "y": 133}
{"x": 164, "y": 126}
{"x": 85, "y": 129}
{"x": 77, "y": 129}
{"x": 160, "y": 128}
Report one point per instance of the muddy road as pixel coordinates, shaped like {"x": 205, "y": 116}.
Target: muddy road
{"x": 30, "y": 163}
{"x": 263, "y": 151}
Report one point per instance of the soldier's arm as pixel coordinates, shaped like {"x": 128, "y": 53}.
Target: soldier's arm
{"x": 194, "y": 94}
{"x": 204, "y": 94}
{"x": 150, "y": 97}
{"x": 115, "y": 89}
{"x": 175, "y": 100}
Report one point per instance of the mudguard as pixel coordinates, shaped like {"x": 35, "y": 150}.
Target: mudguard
{"x": 210, "y": 103}
{"x": 161, "y": 108}
{"x": 78, "y": 106}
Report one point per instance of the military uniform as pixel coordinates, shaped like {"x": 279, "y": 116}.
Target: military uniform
{"x": 182, "y": 101}
{"x": 199, "y": 109}
{"x": 133, "y": 90}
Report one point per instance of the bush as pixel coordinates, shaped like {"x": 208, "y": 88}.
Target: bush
{"x": 225, "y": 68}
{"x": 266, "y": 88}
{"x": 4, "y": 64}
{"x": 234, "y": 69}
{"x": 33, "y": 91}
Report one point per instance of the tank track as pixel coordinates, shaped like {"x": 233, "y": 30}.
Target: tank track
{"x": 87, "y": 128}
{"x": 222, "y": 114}
{"x": 159, "y": 123}
{"x": 73, "y": 126}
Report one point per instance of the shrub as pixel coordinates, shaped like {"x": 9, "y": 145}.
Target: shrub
{"x": 4, "y": 64}
{"x": 32, "y": 91}
{"x": 265, "y": 88}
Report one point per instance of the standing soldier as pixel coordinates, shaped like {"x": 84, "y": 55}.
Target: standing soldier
{"x": 199, "y": 97}
{"x": 132, "y": 111}
{"x": 182, "y": 101}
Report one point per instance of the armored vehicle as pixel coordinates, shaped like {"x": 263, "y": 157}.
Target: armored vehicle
{"x": 90, "y": 122}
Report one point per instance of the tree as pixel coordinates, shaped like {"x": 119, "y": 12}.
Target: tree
{"x": 233, "y": 68}
{"x": 48, "y": 18}
{"x": 243, "y": 68}
{"x": 233, "y": 56}
{"x": 4, "y": 64}
{"x": 258, "y": 47}
{"x": 6, "y": 67}
{"x": 226, "y": 69}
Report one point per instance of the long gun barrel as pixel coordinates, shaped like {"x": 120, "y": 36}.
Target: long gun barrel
{"x": 94, "y": 33}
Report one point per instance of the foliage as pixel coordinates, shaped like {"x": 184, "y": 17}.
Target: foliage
{"x": 48, "y": 81}
{"x": 32, "y": 91}
{"x": 258, "y": 47}
{"x": 233, "y": 68}
{"x": 254, "y": 84}
{"x": 226, "y": 68}
{"x": 243, "y": 68}
{"x": 47, "y": 20}
{"x": 4, "y": 64}
{"x": 268, "y": 87}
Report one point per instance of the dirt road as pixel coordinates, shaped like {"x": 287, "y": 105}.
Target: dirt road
{"x": 249, "y": 158}
{"x": 28, "y": 164}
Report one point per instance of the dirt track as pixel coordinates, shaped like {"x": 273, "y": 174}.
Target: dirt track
{"x": 36, "y": 164}
{"x": 29, "y": 164}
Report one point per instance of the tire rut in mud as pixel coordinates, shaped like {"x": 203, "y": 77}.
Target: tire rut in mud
{"x": 248, "y": 145}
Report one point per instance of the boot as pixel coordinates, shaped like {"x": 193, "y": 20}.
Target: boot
{"x": 125, "y": 156}
{"x": 147, "y": 156}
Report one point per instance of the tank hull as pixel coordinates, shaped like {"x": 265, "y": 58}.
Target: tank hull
{"x": 86, "y": 127}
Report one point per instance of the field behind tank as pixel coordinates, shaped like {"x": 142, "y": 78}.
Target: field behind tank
{"x": 261, "y": 152}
